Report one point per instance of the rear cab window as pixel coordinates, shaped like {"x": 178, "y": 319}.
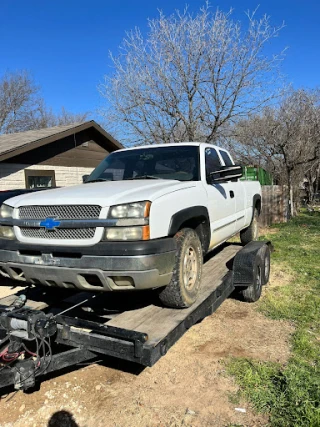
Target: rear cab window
{"x": 226, "y": 158}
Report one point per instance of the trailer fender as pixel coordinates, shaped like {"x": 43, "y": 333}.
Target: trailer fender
{"x": 245, "y": 261}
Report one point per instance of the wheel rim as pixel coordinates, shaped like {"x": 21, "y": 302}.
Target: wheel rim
{"x": 190, "y": 268}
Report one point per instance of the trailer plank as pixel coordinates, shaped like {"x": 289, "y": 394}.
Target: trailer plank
{"x": 8, "y": 300}
{"x": 158, "y": 321}
{"x": 40, "y": 297}
{"x": 170, "y": 319}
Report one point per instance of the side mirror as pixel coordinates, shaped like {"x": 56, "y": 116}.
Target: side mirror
{"x": 226, "y": 173}
{"x": 85, "y": 178}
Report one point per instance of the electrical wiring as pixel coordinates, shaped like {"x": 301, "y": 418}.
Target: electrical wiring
{"x": 48, "y": 343}
{"x": 46, "y": 363}
{"x": 28, "y": 351}
{"x": 23, "y": 362}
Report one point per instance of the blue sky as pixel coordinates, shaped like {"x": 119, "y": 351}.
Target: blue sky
{"x": 65, "y": 43}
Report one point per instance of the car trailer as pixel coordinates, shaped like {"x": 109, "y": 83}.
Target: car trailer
{"x": 44, "y": 329}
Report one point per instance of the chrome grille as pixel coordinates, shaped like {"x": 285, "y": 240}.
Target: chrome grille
{"x": 59, "y": 233}
{"x": 61, "y": 212}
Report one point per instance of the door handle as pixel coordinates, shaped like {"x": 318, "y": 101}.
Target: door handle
{"x": 231, "y": 194}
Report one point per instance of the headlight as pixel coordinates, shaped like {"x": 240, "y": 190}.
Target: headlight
{"x": 127, "y": 233}
{"x": 128, "y": 217}
{"x": 6, "y": 211}
{"x": 130, "y": 210}
{"x": 6, "y": 232}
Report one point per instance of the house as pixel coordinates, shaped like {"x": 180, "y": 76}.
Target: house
{"x": 57, "y": 156}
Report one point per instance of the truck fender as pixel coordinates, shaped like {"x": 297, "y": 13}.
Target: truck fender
{"x": 192, "y": 217}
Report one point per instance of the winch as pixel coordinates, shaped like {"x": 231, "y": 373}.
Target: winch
{"x": 25, "y": 324}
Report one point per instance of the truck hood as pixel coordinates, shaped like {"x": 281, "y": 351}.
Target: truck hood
{"x": 102, "y": 193}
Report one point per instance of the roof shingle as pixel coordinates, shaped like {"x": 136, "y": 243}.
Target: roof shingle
{"x": 9, "y": 143}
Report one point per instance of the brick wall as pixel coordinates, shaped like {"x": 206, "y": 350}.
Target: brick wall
{"x": 274, "y": 205}
{"x": 12, "y": 175}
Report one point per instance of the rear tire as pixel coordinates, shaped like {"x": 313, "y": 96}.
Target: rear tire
{"x": 251, "y": 233}
{"x": 184, "y": 286}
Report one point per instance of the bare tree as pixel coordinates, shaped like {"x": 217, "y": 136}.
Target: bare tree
{"x": 19, "y": 102}
{"x": 65, "y": 117}
{"x": 46, "y": 118}
{"x": 285, "y": 139}
{"x": 312, "y": 180}
{"x": 253, "y": 141}
{"x": 190, "y": 76}
{"x": 22, "y": 108}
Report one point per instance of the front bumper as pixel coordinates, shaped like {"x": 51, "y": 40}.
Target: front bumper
{"x": 103, "y": 267}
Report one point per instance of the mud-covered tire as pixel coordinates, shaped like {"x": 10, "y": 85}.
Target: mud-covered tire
{"x": 253, "y": 292}
{"x": 251, "y": 233}
{"x": 184, "y": 286}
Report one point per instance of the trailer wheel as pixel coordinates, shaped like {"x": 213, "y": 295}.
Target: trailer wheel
{"x": 183, "y": 288}
{"x": 265, "y": 255}
{"x": 252, "y": 232}
{"x": 253, "y": 292}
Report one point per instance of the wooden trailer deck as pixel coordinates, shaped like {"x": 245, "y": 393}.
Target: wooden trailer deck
{"x": 132, "y": 326}
{"x": 139, "y": 312}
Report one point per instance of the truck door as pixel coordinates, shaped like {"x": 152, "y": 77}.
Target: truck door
{"x": 221, "y": 202}
{"x": 238, "y": 189}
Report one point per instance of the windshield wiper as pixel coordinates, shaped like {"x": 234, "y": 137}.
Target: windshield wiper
{"x": 97, "y": 180}
{"x": 143, "y": 177}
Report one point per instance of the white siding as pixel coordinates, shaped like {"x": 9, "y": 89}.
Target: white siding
{"x": 12, "y": 175}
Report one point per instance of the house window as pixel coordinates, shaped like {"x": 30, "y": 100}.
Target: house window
{"x": 40, "y": 178}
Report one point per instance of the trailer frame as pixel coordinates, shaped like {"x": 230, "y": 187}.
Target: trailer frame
{"x": 78, "y": 339}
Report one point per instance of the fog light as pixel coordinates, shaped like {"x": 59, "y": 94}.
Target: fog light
{"x": 123, "y": 281}
{"x": 6, "y": 232}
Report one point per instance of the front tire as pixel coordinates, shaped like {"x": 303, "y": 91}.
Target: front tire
{"x": 184, "y": 286}
{"x": 251, "y": 233}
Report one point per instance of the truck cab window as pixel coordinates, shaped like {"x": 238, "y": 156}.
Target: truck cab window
{"x": 173, "y": 162}
{"x": 212, "y": 161}
{"x": 226, "y": 158}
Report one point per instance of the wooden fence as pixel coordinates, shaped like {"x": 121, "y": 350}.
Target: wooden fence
{"x": 274, "y": 205}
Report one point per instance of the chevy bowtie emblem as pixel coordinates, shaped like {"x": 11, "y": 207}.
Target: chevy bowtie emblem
{"x": 50, "y": 224}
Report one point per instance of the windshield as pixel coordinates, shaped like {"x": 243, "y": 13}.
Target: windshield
{"x": 175, "y": 162}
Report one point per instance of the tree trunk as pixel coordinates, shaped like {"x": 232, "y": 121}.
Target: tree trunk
{"x": 290, "y": 191}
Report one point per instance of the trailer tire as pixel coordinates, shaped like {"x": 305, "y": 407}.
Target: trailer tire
{"x": 251, "y": 233}
{"x": 253, "y": 292}
{"x": 184, "y": 286}
{"x": 265, "y": 255}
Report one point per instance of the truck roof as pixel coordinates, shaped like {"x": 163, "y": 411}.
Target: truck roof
{"x": 197, "y": 144}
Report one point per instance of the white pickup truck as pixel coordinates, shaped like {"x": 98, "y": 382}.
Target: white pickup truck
{"x": 144, "y": 218}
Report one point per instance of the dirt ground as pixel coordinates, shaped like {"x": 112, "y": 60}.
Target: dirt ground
{"x": 187, "y": 387}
